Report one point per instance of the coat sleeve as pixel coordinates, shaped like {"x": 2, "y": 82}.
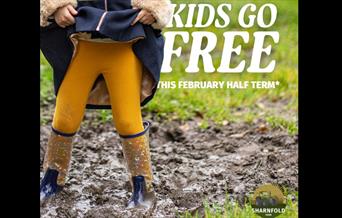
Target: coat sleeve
{"x": 48, "y": 7}
{"x": 161, "y": 10}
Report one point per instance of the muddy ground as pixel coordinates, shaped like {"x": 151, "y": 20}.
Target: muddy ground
{"x": 190, "y": 164}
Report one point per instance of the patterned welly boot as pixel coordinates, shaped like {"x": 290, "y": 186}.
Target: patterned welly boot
{"x": 56, "y": 164}
{"x": 138, "y": 162}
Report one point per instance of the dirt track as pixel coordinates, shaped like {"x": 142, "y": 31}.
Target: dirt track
{"x": 190, "y": 164}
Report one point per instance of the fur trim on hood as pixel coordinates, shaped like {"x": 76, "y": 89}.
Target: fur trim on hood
{"x": 48, "y": 7}
{"x": 160, "y": 9}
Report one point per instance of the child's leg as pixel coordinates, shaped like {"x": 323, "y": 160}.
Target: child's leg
{"x": 123, "y": 79}
{"x": 70, "y": 105}
{"x": 74, "y": 90}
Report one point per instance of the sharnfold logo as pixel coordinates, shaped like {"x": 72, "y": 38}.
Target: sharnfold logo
{"x": 268, "y": 201}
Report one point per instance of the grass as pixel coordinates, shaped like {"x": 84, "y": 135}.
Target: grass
{"x": 46, "y": 82}
{"x": 232, "y": 209}
{"x": 220, "y": 105}
{"x": 290, "y": 126}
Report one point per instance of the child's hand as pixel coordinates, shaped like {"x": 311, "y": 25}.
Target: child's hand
{"x": 64, "y": 16}
{"x": 144, "y": 17}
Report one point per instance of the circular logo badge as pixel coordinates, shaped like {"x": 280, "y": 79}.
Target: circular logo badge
{"x": 268, "y": 201}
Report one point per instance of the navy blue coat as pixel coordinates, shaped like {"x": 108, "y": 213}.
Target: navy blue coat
{"x": 58, "y": 48}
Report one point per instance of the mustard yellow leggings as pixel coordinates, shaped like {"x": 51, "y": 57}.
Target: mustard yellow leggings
{"x": 121, "y": 70}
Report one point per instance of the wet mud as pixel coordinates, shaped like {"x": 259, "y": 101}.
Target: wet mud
{"x": 190, "y": 165}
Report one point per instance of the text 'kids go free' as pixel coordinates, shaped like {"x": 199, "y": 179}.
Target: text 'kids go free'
{"x": 208, "y": 15}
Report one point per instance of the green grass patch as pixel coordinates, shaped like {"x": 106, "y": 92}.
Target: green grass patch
{"x": 277, "y": 122}
{"x": 232, "y": 209}
{"x": 46, "y": 82}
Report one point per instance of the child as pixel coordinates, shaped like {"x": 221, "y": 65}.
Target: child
{"x": 105, "y": 54}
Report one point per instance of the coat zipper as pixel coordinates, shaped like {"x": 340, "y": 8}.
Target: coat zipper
{"x": 101, "y": 21}
{"x": 103, "y": 16}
